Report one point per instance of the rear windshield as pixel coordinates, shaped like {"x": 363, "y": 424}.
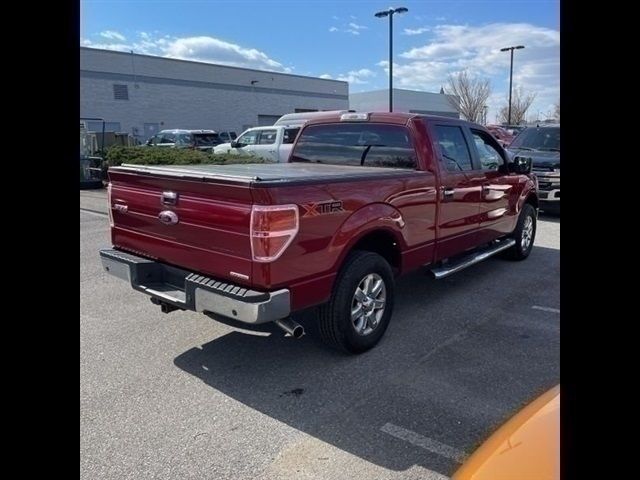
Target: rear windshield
{"x": 204, "y": 139}
{"x": 366, "y": 144}
{"x": 546, "y": 138}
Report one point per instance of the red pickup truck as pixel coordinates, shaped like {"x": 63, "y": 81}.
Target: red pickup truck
{"x": 364, "y": 198}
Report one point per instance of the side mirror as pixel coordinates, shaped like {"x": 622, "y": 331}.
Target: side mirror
{"x": 235, "y": 144}
{"x": 521, "y": 165}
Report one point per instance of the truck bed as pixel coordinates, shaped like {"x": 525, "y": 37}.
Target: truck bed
{"x": 264, "y": 174}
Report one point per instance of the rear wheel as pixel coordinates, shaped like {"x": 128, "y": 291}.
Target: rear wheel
{"x": 358, "y": 313}
{"x": 524, "y": 234}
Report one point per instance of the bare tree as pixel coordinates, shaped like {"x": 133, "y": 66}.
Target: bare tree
{"x": 468, "y": 94}
{"x": 556, "y": 111}
{"x": 520, "y": 103}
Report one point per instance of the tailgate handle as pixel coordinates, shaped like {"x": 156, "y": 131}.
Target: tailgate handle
{"x": 169, "y": 198}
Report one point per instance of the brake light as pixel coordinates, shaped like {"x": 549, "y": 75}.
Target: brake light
{"x": 110, "y": 205}
{"x": 273, "y": 228}
{"x": 354, "y": 117}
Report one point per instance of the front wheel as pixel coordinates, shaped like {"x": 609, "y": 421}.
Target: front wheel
{"x": 358, "y": 313}
{"x": 524, "y": 233}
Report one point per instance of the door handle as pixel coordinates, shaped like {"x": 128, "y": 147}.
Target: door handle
{"x": 491, "y": 193}
{"x": 447, "y": 193}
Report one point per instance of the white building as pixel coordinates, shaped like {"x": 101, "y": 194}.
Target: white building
{"x": 142, "y": 94}
{"x": 410, "y": 101}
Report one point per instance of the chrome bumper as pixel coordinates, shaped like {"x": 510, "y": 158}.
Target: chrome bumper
{"x": 190, "y": 291}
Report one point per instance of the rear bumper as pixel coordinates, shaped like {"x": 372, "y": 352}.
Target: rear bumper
{"x": 190, "y": 291}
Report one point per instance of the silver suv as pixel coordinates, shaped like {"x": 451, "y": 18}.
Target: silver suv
{"x": 203, "y": 140}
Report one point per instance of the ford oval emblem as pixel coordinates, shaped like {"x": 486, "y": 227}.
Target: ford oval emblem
{"x": 168, "y": 217}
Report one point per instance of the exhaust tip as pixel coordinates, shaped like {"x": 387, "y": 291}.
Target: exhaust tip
{"x": 291, "y": 327}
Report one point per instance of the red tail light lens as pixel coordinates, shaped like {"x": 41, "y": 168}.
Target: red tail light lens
{"x": 273, "y": 228}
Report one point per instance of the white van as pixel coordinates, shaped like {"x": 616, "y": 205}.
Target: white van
{"x": 299, "y": 119}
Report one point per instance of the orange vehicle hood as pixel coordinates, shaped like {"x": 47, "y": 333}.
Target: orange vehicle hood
{"x": 526, "y": 447}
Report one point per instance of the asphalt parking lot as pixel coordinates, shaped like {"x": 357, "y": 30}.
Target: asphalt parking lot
{"x": 180, "y": 396}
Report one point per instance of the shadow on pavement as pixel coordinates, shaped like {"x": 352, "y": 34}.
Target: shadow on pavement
{"x": 460, "y": 357}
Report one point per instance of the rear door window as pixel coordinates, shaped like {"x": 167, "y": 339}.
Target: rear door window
{"x": 290, "y": 135}
{"x": 364, "y": 144}
{"x": 453, "y": 148}
{"x": 267, "y": 137}
{"x": 206, "y": 139}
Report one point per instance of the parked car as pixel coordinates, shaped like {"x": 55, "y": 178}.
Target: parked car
{"x": 526, "y": 447}
{"x": 542, "y": 144}
{"x": 203, "y": 140}
{"x": 90, "y": 172}
{"x": 364, "y": 198}
{"x": 270, "y": 143}
{"x": 300, "y": 118}
{"x": 502, "y": 135}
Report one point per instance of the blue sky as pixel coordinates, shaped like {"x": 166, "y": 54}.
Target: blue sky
{"x": 343, "y": 39}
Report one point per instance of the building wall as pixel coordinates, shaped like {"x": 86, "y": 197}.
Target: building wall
{"x": 191, "y": 95}
{"x": 410, "y": 101}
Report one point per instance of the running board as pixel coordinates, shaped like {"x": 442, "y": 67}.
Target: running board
{"x": 471, "y": 259}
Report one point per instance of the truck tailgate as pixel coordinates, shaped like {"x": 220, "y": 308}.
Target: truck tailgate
{"x": 195, "y": 223}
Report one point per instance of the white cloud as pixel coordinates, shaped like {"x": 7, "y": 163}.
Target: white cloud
{"x": 209, "y": 49}
{"x": 454, "y": 48}
{"x": 357, "y": 76}
{"x": 202, "y": 48}
{"x": 352, "y": 28}
{"x": 113, "y": 35}
{"x": 415, "y": 31}
{"x": 120, "y": 47}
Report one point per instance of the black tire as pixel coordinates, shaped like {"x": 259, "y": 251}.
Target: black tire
{"x": 335, "y": 325}
{"x": 519, "y": 251}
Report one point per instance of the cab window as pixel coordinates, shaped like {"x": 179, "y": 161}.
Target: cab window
{"x": 488, "y": 153}
{"x": 249, "y": 138}
{"x": 167, "y": 138}
{"x": 453, "y": 148}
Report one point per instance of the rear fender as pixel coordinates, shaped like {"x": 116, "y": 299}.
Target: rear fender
{"x": 368, "y": 219}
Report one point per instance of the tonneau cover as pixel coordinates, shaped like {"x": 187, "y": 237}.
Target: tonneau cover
{"x": 260, "y": 172}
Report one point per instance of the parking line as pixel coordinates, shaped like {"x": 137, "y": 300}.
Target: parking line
{"x": 424, "y": 442}
{"x": 546, "y": 309}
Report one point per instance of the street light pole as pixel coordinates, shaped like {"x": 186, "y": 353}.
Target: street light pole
{"x": 389, "y": 13}
{"x": 510, "y": 76}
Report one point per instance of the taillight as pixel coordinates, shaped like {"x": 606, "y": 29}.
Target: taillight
{"x": 273, "y": 228}
{"x": 110, "y": 205}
